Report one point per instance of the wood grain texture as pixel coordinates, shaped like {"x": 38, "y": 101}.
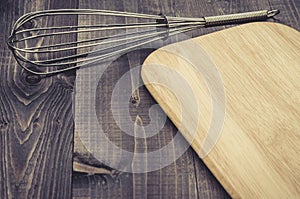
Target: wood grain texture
{"x": 187, "y": 177}
{"x": 42, "y": 162}
{"x": 36, "y": 123}
{"x": 172, "y": 181}
{"x": 257, "y": 152}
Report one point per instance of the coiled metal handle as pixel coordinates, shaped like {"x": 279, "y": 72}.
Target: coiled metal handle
{"x": 240, "y": 17}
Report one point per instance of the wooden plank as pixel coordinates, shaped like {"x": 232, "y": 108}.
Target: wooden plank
{"x": 36, "y": 123}
{"x": 187, "y": 177}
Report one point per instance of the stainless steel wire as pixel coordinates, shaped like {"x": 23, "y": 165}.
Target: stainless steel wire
{"x": 42, "y": 56}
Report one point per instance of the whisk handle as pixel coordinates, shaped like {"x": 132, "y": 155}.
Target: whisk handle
{"x": 240, "y": 17}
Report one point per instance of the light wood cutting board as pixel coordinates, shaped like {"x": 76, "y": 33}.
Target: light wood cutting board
{"x": 239, "y": 91}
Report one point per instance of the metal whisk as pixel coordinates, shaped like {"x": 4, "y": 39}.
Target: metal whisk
{"x": 50, "y": 49}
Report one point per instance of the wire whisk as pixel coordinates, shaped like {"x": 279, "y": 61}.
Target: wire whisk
{"x": 43, "y": 48}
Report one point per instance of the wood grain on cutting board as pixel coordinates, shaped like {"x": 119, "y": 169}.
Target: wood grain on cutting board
{"x": 257, "y": 153}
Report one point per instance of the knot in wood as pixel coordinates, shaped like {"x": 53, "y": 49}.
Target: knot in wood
{"x": 3, "y": 125}
{"x": 32, "y": 78}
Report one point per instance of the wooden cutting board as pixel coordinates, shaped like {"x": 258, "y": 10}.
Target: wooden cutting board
{"x": 235, "y": 95}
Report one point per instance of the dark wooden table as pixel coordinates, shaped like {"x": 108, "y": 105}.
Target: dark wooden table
{"x": 37, "y": 122}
